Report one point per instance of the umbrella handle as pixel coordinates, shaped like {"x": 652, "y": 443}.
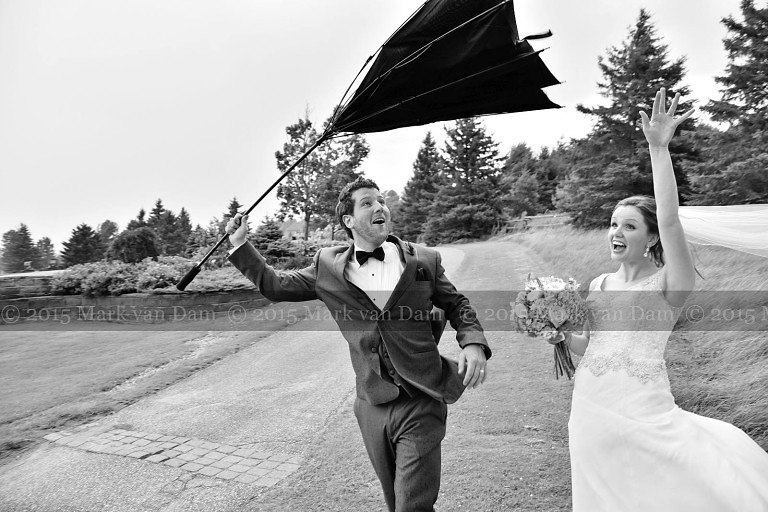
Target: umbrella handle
{"x": 184, "y": 282}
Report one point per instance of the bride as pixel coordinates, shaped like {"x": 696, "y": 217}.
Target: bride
{"x": 632, "y": 448}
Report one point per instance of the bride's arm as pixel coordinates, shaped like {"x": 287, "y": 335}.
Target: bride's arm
{"x": 659, "y": 130}
{"x": 577, "y": 343}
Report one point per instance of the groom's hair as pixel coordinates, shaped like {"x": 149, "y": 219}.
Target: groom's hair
{"x": 346, "y": 206}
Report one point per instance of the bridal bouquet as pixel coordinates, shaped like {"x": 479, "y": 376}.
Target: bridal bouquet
{"x": 547, "y": 305}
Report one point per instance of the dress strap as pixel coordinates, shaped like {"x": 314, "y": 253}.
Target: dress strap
{"x": 597, "y": 283}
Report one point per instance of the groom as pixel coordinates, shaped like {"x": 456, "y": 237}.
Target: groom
{"x": 381, "y": 291}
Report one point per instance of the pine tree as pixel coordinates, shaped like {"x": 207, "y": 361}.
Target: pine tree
{"x": 550, "y": 168}
{"x": 156, "y": 214}
{"x": 199, "y": 242}
{"x": 233, "y": 208}
{"x": 182, "y": 233}
{"x": 139, "y": 221}
{"x": 519, "y": 182}
{"x": 394, "y": 204}
{"x": 267, "y": 232}
{"x": 522, "y": 198}
{"x": 732, "y": 170}
{"x": 420, "y": 191}
{"x": 84, "y": 246}
{"x": 19, "y": 253}
{"x": 744, "y": 92}
{"x": 268, "y": 239}
{"x": 633, "y": 73}
{"x": 161, "y": 221}
{"x": 468, "y": 204}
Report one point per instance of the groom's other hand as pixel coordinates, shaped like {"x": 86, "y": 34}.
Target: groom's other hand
{"x": 472, "y": 365}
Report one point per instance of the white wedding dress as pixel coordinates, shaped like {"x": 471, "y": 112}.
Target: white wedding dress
{"x": 632, "y": 448}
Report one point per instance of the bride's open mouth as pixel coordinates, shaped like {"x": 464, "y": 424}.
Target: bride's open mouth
{"x": 618, "y": 246}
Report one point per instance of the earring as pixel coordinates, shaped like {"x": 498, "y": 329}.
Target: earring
{"x": 647, "y": 249}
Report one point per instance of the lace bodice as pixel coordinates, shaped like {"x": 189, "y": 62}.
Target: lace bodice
{"x": 629, "y": 329}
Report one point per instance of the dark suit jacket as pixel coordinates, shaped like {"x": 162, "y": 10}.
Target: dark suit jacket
{"x": 403, "y": 325}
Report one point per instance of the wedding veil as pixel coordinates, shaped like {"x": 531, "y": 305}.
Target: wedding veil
{"x": 740, "y": 227}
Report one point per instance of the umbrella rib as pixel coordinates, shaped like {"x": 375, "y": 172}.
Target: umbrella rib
{"x": 478, "y": 73}
{"x": 424, "y": 48}
{"x": 420, "y": 50}
{"x": 336, "y": 110}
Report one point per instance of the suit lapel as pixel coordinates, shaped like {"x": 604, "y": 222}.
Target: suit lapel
{"x": 340, "y": 263}
{"x": 409, "y": 272}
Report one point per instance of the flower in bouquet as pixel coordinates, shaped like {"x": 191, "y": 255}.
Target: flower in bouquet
{"x": 546, "y": 307}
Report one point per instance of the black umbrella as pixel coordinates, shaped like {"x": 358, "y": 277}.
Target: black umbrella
{"x": 451, "y": 59}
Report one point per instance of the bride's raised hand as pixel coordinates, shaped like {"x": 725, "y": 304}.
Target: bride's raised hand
{"x": 660, "y": 128}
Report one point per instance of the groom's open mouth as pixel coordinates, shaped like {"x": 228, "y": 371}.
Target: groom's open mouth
{"x": 379, "y": 221}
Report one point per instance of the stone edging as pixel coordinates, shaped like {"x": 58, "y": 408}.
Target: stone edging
{"x": 238, "y": 463}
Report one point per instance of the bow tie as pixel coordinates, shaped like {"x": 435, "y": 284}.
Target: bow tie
{"x": 362, "y": 256}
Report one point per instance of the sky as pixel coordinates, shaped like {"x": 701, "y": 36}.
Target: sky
{"x": 108, "y": 105}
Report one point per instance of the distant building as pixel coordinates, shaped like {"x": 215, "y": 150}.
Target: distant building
{"x": 294, "y": 230}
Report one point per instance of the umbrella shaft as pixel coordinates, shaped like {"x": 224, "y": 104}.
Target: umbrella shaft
{"x": 319, "y": 141}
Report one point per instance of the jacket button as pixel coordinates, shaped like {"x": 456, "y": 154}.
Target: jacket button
{"x": 374, "y": 348}
{"x": 392, "y": 373}
{"x": 386, "y": 354}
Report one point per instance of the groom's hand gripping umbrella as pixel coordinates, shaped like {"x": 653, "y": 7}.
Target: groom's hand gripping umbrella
{"x": 451, "y": 59}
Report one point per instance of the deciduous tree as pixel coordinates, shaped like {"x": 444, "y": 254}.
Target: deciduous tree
{"x": 312, "y": 189}
{"x": 46, "y": 256}
{"x": 133, "y": 245}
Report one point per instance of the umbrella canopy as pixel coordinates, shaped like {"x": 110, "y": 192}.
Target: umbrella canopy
{"x": 451, "y": 59}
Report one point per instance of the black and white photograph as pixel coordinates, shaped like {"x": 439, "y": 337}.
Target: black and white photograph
{"x": 401, "y": 256}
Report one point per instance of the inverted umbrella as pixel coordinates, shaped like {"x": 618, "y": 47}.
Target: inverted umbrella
{"x": 451, "y": 59}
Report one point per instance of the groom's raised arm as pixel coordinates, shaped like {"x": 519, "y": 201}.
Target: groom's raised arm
{"x": 276, "y": 285}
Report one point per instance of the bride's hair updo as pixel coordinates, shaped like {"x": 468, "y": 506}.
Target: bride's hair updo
{"x": 647, "y": 207}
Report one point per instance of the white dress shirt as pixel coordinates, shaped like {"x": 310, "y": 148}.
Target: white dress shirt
{"x": 376, "y": 278}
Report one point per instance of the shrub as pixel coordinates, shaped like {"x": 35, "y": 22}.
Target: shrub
{"x": 95, "y": 279}
{"x": 67, "y": 283}
{"x": 117, "y": 278}
{"x": 163, "y": 273}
